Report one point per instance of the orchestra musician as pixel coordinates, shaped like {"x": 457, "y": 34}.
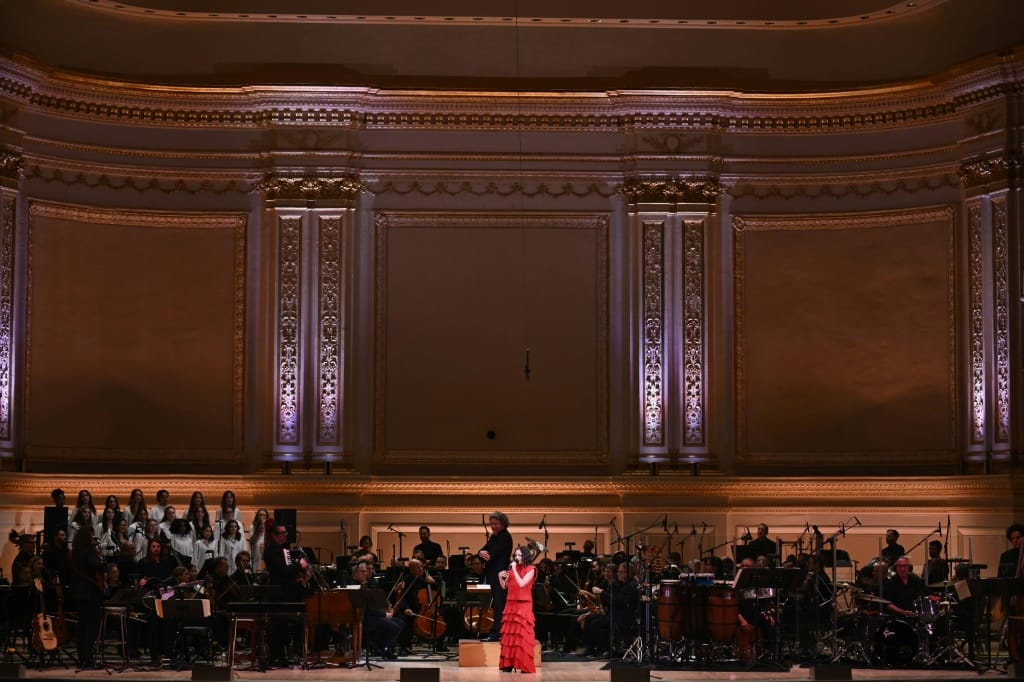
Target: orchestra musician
{"x": 1009, "y": 560}
{"x": 290, "y": 573}
{"x": 496, "y": 554}
{"x": 88, "y": 573}
{"x": 903, "y": 589}
{"x": 380, "y": 630}
{"x": 243, "y": 570}
{"x": 893, "y": 550}
{"x": 431, "y": 550}
{"x": 411, "y": 583}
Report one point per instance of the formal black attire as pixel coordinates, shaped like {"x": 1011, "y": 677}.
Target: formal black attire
{"x": 618, "y": 620}
{"x": 380, "y": 632}
{"x": 893, "y": 552}
{"x": 761, "y": 547}
{"x": 431, "y": 550}
{"x": 1008, "y": 563}
{"x": 88, "y": 595}
{"x": 285, "y": 574}
{"x": 499, "y": 546}
{"x": 904, "y": 596}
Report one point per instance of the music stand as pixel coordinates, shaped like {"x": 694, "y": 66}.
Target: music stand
{"x": 1004, "y": 588}
{"x": 369, "y": 599}
{"x": 178, "y": 611}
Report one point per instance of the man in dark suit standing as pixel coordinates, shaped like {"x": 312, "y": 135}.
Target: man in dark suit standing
{"x": 289, "y": 573}
{"x": 497, "y": 554}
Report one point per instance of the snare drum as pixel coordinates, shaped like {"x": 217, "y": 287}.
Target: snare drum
{"x": 927, "y": 610}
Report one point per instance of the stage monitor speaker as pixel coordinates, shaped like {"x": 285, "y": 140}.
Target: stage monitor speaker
{"x": 10, "y": 671}
{"x": 211, "y": 673}
{"x": 286, "y": 518}
{"x": 630, "y": 674}
{"x": 54, "y": 518}
{"x": 833, "y": 672}
{"x": 419, "y": 675}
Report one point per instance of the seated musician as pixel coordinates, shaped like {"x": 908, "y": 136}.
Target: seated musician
{"x": 903, "y": 590}
{"x": 411, "y": 585}
{"x": 609, "y": 630}
{"x": 365, "y": 552}
{"x": 243, "y": 575}
{"x": 221, "y": 590}
{"x": 1009, "y": 560}
{"x": 380, "y": 630}
{"x": 430, "y": 549}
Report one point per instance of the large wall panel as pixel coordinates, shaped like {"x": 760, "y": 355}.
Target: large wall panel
{"x": 460, "y": 299}
{"x": 845, "y": 339}
{"x": 135, "y": 337}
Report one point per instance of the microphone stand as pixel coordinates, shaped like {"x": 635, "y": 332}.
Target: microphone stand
{"x": 401, "y": 536}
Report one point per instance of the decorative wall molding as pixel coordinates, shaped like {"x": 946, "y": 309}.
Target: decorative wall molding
{"x": 992, "y": 172}
{"x": 914, "y": 103}
{"x": 365, "y": 492}
{"x": 289, "y": 297}
{"x": 976, "y": 313}
{"x": 489, "y": 188}
{"x": 694, "y": 318}
{"x": 7, "y": 230}
{"x": 672, "y": 191}
{"x": 835, "y": 221}
{"x": 11, "y": 165}
{"x": 1001, "y": 317}
{"x": 860, "y": 185}
{"x": 136, "y": 179}
{"x": 653, "y": 249}
{"x": 330, "y": 366}
{"x": 310, "y": 190}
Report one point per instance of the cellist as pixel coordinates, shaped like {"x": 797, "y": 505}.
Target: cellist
{"x": 417, "y": 587}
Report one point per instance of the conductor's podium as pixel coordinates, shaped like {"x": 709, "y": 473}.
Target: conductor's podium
{"x": 476, "y": 654}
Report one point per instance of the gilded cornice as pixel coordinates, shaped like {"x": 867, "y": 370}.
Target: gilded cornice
{"x": 310, "y": 189}
{"x": 671, "y": 191}
{"x": 490, "y": 187}
{"x": 687, "y": 491}
{"x": 836, "y": 186}
{"x": 69, "y": 94}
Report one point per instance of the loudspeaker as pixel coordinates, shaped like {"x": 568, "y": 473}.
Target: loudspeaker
{"x": 54, "y": 518}
{"x": 213, "y": 673}
{"x": 419, "y": 675}
{"x": 12, "y": 670}
{"x": 630, "y": 674}
{"x": 835, "y": 672}
{"x": 286, "y": 518}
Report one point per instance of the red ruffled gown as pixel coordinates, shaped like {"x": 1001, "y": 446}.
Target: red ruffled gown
{"x": 517, "y": 625}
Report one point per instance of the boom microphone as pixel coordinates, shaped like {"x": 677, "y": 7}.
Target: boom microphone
{"x": 939, "y": 531}
{"x": 541, "y": 524}
{"x": 664, "y": 523}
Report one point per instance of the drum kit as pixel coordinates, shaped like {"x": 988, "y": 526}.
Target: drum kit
{"x": 868, "y": 634}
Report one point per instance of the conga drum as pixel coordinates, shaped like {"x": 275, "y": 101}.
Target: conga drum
{"x": 671, "y": 610}
{"x": 723, "y": 613}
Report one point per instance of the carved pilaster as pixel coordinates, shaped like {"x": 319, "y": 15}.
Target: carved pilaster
{"x": 693, "y": 332}
{"x": 1001, "y": 318}
{"x": 653, "y": 336}
{"x": 309, "y": 190}
{"x": 6, "y": 312}
{"x": 288, "y": 328}
{"x": 976, "y": 295}
{"x": 329, "y": 315}
{"x": 671, "y": 192}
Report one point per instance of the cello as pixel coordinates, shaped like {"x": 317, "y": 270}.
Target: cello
{"x": 428, "y": 624}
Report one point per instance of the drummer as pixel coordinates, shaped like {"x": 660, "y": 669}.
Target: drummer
{"x": 903, "y": 590}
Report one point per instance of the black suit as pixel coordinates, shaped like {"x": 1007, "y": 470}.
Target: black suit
{"x": 286, "y": 576}
{"x": 499, "y": 546}
{"x": 1008, "y": 563}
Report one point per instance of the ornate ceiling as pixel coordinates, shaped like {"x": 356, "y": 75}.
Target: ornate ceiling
{"x": 749, "y": 45}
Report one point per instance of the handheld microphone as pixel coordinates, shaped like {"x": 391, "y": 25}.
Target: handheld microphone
{"x": 541, "y": 524}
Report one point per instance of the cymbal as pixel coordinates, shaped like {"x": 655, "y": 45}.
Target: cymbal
{"x": 849, "y": 587}
{"x": 871, "y": 598}
{"x": 939, "y": 586}
{"x": 958, "y": 560}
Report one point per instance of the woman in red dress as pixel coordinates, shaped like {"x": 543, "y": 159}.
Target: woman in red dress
{"x": 517, "y": 638}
